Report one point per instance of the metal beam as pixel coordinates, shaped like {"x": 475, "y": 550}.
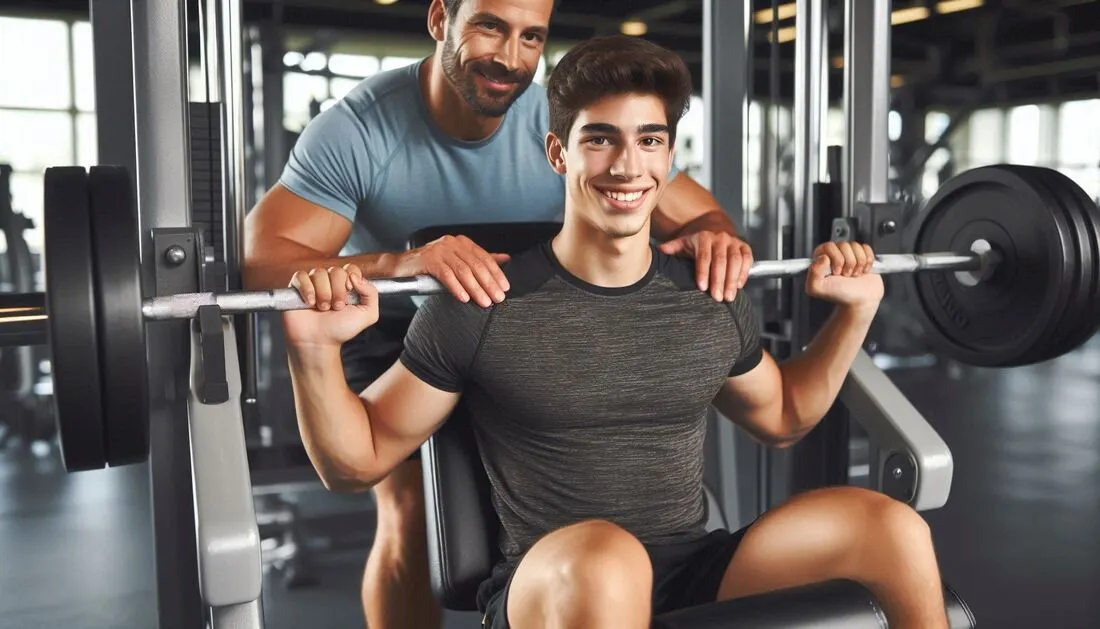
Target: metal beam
{"x": 727, "y": 52}
{"x": 164, "y": 200}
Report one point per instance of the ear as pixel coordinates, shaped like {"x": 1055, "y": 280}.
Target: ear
{"x": 555, "y": 153}
{"x": 437, "y": 20}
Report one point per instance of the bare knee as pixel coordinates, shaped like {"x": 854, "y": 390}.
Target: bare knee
{"x": 580, "y": 574}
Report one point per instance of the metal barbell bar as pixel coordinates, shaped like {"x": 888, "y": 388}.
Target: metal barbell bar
{"x": 186, "y": 305}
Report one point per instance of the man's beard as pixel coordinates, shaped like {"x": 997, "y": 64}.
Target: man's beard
{"x": 464, "y": 84}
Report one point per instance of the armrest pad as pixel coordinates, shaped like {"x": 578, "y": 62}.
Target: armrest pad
{"x": 895, "y": 426}
{"x": 230, "y": 571}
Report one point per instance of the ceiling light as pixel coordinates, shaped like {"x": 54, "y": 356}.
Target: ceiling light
{"x": 764, "y": 16}
{"x": 951, "y": 6}
{"x": 384, "y": 2}
{"x": 783, "y": 35}
{"x": 911, "y": 14}
{"x": 634, "y": 28}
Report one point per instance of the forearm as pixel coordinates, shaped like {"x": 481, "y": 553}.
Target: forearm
{"x": 332, "y": 419}
{"x": 812, "y": 380}
{"x": 279, "y": 260}
{"x": 713, "y": 221}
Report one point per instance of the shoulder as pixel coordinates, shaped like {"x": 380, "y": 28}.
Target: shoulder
{"x": 528, "y": 270}
{"x": 680, "y": 271}
{"x": 379, "y": 107}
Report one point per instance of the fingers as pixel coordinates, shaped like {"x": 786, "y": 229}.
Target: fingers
{"x": 466, "y": 270}
{"x": 847, "y": 259}
{"x": 302, "y": 281}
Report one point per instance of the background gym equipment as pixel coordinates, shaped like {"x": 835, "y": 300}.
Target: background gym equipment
{"x": 1003, "y": 282}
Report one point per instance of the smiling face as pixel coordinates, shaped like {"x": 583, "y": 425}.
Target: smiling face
{"x": 616, "y": 162}
{"x": 491, "y": 49}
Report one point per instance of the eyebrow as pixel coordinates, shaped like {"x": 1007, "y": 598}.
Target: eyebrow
{"x": 603, "y": 127}
{"x": 486, "y": 16}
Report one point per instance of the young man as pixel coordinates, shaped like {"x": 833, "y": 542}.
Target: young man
{"x": 588, "y": 387}
{"x": 457, "y": 138}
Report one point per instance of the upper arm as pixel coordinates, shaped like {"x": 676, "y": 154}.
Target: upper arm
{"x": 283, "y": 218}
{"x": 326, "y": 178}
{"x": 752, "y": 395}
{"x": 404, "y": 412}
{"x": 414, "y": 397}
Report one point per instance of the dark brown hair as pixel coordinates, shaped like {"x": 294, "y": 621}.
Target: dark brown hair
{"x": 611, "y": 65}
{"x": 452, "y": 7}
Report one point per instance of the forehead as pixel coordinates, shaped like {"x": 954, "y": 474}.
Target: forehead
{"x": 522, "y": 13}
{"x": 626, "y": 111}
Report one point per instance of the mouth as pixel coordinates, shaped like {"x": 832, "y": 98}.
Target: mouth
{"x": 493, "y": 84}
{"x": 625, "y": 200}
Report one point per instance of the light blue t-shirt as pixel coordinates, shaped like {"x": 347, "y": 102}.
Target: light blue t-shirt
{"x": 377, "y": 158}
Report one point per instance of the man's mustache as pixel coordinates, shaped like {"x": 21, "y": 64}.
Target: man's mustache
{"x": 499, "y": 73}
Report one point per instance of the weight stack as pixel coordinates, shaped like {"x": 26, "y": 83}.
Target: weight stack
{"x": 207, "y": 213}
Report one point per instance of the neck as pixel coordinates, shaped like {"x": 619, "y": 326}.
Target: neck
{"x": 448, "y": 109}
{"x": 599, "y": 259}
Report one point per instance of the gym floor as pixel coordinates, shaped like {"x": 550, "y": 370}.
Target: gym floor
{"x": 1018, "y": 537}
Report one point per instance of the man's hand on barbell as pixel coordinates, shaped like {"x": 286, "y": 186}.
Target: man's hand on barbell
{"x": 841, "y": 273}
{"x": 331, "y": 321}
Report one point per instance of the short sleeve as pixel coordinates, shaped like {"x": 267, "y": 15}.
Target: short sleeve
{"x": 744, "y": 316}
{"x": 330, "y": 164}
{"x": 443, "y": 340}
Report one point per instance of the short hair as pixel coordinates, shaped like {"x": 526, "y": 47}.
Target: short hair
{"x": 452, "y": 7}
{"x": 611, "y": 65}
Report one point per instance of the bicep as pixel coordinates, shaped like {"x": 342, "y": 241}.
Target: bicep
{"x": 754, "y": 400}
{"x": 282, "y": 218}
{"x": 404, "y": 411}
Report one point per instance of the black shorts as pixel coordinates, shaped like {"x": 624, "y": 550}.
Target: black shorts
{"x": 685, "y": 574}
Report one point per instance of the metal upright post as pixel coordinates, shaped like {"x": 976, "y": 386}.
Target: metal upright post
{"x": 164, "y": 201}
{"x": 866, "y": 160}
{"x": 866, "y": 101}
{"x": 727, "y": 59}
{"x": 114, "y": 83}
{"x": 814, "y": 461}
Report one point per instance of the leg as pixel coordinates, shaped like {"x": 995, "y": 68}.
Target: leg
{"x": 590, "y": 575}
{"x": 844, "y": 533}
{"x": 397, "y": 591}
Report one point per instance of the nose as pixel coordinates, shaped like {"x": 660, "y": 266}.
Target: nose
{"x": 508, "y": 54}
{"x": 628, "y": 163}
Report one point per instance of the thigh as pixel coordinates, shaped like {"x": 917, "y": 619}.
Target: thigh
{"x": 813, "y": 537}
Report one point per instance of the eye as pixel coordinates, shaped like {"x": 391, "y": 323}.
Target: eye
{"x": 489, "y": 26}
{"x": 598, "y": 140}
{"x": 652, "y": 142}
{"x": 532, "y": 37}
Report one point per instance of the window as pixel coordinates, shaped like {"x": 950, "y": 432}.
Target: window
{"x": 986, "y": 138}
{"x": 1023, "y": 134}
{"x": 47, "y": 106}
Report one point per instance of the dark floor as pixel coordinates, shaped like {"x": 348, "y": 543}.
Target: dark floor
{"x": 1020, "y": 537}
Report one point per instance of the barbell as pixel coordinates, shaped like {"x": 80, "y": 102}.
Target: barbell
{"x": 1003, "y": 272}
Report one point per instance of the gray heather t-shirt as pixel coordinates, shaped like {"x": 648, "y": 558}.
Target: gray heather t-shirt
{"x": 588, "y": 402}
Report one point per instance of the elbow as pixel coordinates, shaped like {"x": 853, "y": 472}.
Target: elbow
{"x": 343, "y": 477}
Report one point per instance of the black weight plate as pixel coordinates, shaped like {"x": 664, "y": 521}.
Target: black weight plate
{"x": 1085, "y": 209}
{"x": 115, "y": 241}
{"x": 1078, "y": 278}
{"x": 1078, "y": 314}
{"x": 70, "y": 304}
{"x": 998, "y": 321}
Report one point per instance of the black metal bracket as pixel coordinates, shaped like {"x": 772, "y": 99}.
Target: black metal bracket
{"x": 875, "y": 224}
{"x": 212, "y": 386}
{"x": 176, "y": 259}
